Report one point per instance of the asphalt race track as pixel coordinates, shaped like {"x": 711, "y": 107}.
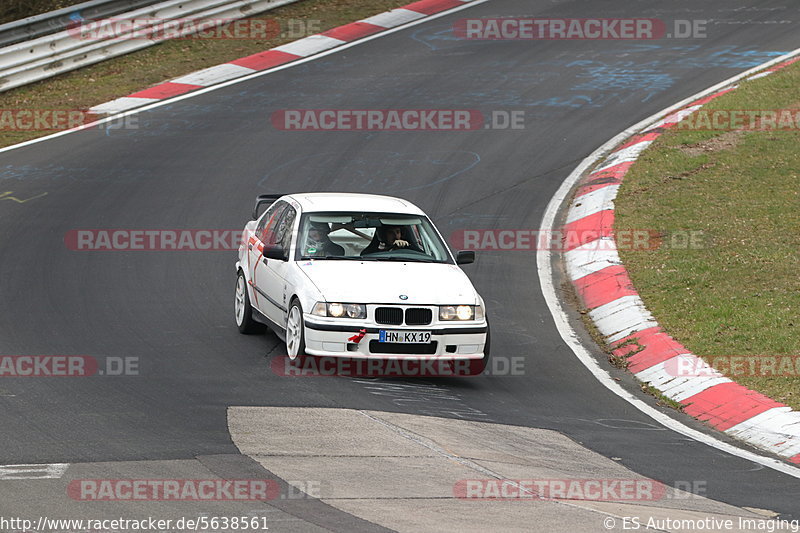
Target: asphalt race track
{"x": 198, "y": 163}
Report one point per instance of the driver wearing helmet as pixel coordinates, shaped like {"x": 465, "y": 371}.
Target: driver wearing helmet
{"x": 319, "y": 244}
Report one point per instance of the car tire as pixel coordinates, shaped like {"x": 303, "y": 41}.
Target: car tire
{"x": 295, "y": 331}
{"x": 243, "y": 309}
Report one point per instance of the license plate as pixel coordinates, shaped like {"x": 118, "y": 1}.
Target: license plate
{"x": 405, "y": 337}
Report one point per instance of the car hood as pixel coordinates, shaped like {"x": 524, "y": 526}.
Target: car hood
{"x": 385, "y": 282}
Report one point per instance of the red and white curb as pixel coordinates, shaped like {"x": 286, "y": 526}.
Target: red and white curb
{"x": 615, "y": 307}
{"x": 280, "y": 55}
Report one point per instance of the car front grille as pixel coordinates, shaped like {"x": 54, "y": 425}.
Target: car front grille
{"x": 418, "y": 316}
{"x": 378, "y": 347}
{"x": 389, "y": 315}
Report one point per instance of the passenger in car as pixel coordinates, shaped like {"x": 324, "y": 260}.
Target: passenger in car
{"x": 319, "y": 244}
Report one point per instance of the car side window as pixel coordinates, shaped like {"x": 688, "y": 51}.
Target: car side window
{"x": 283, "y": 233}
{"x": 265, "y": 231}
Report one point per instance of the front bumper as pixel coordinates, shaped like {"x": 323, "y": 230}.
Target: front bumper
{"x": 462, "y": 341}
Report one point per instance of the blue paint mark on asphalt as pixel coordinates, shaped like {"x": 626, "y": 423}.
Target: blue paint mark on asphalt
{"x": 624, "y": 77}
{"x": 438, "y": 38}
{"x": 614, "y": 73}
{"x": 74, "y": 174}
{"x": 729, "y": 57}
{"x": 29, "y": 172}
{"x": 621, "y": 80}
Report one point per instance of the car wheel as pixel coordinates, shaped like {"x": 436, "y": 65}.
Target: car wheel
{"x": 244, "y": 311}
{"x": 295, "y": 334}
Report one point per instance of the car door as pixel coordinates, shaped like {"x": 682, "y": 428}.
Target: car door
{"x": 273, "y": 281}
{"x": 256, "y": 263}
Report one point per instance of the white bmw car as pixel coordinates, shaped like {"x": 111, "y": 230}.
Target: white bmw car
{"x": 357, "y": 276}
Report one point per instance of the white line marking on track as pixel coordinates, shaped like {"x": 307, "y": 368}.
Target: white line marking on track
{"x": 570, "y": 337}
{"x": 42, "y": 471}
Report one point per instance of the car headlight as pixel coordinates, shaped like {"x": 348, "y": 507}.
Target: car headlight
{"x": 457, "y": 312}
{"x": 340, "y": 310}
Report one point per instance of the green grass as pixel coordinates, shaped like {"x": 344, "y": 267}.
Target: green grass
{"x": 663, "y": 401}
{"x": 739, "y": 294}
{"x": 89, "y": 86}
{"x": 12, "y": 10}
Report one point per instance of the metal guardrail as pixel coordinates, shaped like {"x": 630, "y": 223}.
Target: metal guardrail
{"x": 49, "y": 55}
{"x": 58, "y": 20}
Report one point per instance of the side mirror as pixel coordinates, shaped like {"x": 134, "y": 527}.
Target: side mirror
{"x": 465, "y": 257}
{"x": 274, "y": 252}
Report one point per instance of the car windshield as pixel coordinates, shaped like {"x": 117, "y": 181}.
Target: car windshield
{"x": 370, "y": 237}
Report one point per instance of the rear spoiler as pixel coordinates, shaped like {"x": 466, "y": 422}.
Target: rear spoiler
{"x": 264, "y": 199}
